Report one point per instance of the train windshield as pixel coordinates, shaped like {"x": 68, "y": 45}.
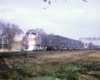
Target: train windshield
{"x": 27, "y": 33}
{"x": 33, "y": 33}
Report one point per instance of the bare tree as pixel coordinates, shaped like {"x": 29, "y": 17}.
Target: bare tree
{"x": 39, "y": 31}
{"x": 9, "y": 32}
{"x": 49, "y": 1}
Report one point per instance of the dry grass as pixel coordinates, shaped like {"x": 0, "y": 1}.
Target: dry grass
{"x": 95, "y": 56}
{"x": 47, "y": 62}
{"x": 46, "y": 57}
{"x": 73, "y": 55}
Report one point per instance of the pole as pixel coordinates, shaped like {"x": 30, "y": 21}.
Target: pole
{"x": 2, "y": 43}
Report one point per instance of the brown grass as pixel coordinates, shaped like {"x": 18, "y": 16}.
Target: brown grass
{"x": 49, "y": 61}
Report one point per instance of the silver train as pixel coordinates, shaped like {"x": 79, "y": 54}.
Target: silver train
{"x": 35, "y": 41}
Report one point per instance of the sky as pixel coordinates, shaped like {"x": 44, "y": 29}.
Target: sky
{"x": 73, "y": 19}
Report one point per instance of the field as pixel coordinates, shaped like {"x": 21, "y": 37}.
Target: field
{"x": 52, "y": 65}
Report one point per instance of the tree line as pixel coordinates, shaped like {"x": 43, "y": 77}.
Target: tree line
{"x": 8, "y": 32}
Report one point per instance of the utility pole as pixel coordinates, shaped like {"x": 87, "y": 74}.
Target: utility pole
{"x": 0, "y": 32}
{"x": 2, "y": 42}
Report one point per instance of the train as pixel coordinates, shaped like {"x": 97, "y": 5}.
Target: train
{"x": 33, "y": 40}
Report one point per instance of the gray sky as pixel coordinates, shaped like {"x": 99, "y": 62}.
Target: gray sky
{"x": 74, "y": 18}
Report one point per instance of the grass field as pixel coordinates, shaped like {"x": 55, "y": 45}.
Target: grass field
{"x": 62, "y": 65}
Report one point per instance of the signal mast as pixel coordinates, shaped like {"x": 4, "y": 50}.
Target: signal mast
{"x": 90, "y": 45}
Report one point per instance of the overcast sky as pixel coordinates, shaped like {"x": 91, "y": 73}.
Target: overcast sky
{"x": 74, "y": 18}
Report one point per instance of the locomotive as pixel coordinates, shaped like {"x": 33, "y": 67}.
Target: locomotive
{"x": 33, "y": 40}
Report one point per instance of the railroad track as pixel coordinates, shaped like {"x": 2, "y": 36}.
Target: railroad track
{"x": 18, "y": 53}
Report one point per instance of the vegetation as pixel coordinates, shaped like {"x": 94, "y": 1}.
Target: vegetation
{"x": 74, "y": 65}
{"x": 49, "y": 2}
{"x": 8, "y": 32}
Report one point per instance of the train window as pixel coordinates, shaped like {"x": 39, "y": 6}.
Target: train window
{"x": 33, "y": 33}
{"x": 27, "y": 33}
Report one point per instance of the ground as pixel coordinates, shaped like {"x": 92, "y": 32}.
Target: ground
{"x": 52, "y": 65}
